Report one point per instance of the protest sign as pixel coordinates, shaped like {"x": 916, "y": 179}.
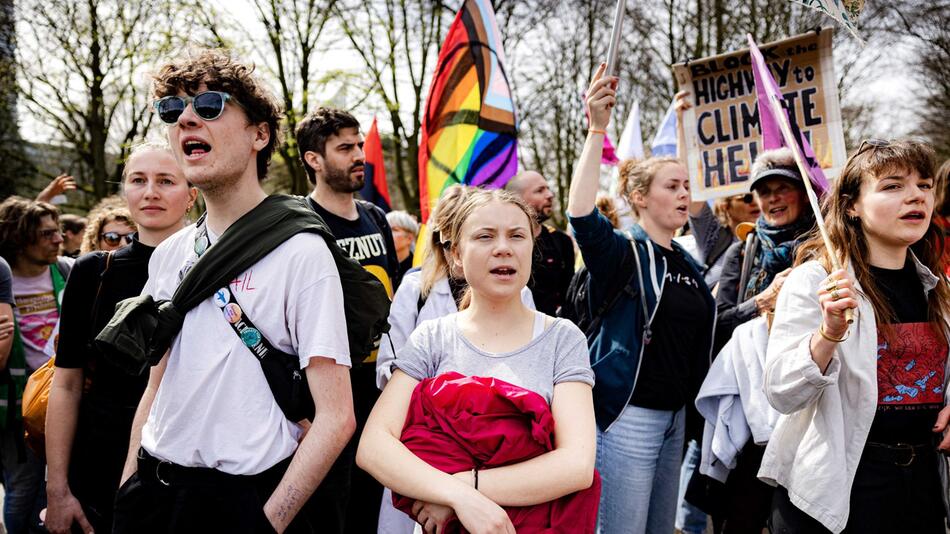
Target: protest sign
{"x": 722, "y": 127}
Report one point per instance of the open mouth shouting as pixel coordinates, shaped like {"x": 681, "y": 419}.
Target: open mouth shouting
{"x": 778, "y": 211}
{"x": 914, "y": 216}
{"x": 194, "y": 147}
{"x": 504, "y": 272}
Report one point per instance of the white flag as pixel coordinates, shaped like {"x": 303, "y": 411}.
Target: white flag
{"x": 631, "y": 141}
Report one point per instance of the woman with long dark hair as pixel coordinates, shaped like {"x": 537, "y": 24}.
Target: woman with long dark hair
{"x": 856, "y": 448}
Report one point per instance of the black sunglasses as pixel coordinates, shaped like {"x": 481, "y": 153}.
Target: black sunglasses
{"x": 50, "y": 234}
{"x": 114, "y": 238}
{"x": 873, "y": 142}
{"x": 208, "y": 105}
{"x": 748, "y": 198}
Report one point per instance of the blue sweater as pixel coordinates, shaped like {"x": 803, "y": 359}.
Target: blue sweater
{"x": 616, "y": 349}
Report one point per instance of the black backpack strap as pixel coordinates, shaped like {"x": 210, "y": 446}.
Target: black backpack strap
{"x": 281, "y": 370}
{"x": 608, "y": 303}
{"x": 379, "y": 217}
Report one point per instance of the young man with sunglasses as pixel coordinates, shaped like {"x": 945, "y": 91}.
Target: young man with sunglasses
{"x": 30, "y": 238}
{"x": 211, "y": 450}
{"x": 331, "y": 147}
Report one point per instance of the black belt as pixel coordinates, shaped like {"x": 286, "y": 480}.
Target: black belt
{"x": 901, "y": 454}
{"x": 169, "y": 474}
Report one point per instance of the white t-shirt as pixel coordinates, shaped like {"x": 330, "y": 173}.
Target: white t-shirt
{"x": 214, "y": 407}
{"x": 37, "y": 315}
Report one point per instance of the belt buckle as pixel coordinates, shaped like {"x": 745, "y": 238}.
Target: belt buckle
{"x": 158, "y": 475}
{"x": 913, "y": 454}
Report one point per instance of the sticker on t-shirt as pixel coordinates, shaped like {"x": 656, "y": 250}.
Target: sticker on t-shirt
{"x": 37, "y": 315}
{"x": 910, "y": 366}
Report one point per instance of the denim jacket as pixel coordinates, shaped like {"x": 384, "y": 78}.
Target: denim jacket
{"x": 617, "y": 348}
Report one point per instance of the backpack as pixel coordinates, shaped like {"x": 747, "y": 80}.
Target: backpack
{"x": 577, "y": 301}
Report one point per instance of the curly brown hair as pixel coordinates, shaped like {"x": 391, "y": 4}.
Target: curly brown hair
{"x": 19, "y": 221}
{"x": 98, "y": 220}
{"x": 220, "y": 72}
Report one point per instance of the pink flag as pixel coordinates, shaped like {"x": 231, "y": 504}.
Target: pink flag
{"x": 769, "y": 123}
{"x": 609, "y": 156}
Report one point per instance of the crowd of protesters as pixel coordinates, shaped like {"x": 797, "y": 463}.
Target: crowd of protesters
{"x": 280, "y": 365}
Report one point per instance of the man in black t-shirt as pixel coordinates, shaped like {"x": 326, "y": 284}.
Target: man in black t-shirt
{"x": 553, "y": 265}
{"x": 331, "y": 148}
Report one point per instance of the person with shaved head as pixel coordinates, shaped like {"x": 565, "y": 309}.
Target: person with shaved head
{"x": 553, "y": 264}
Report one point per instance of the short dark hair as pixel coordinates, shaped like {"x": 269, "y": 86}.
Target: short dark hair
{"x": 72, "y": 223}
{"x": 19, "y": 222}
{"x": 221, "y": 72}
{"x": 314, "y": 130}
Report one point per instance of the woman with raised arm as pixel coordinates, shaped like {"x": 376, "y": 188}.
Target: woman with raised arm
{"x": 863, "y": 404}
{"x": 505, "y": 343}
{"x": 652, "y": 349}
{"x": 91, "y": 401}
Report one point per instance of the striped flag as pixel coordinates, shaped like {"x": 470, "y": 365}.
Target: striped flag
{"x": 375, "y": 189}
{"x": 664, "y": 142}
{"x": 469, "y": 128}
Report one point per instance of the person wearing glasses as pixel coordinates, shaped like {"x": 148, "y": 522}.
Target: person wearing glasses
{"x": 108, "y": 229}
{"x": 715, "y": 229}
{"x": 92, "y": 402}
{"x": 210, "y": 448}
{"x": 858, "y": 446}
{"x": 30, "y": 238}
{"x": 752, "y": 276}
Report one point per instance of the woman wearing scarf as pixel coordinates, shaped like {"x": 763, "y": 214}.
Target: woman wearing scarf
{"x": 752, "y": 276}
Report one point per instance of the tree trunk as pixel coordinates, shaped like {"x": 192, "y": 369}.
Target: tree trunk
{"x": 15, "y": 165}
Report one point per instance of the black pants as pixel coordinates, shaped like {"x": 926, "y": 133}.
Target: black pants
{"x": 747, "y": 500}
{"x": 165, "y": 498}
{"x": 885, "y": 498}
{"x": 98, "y": 457}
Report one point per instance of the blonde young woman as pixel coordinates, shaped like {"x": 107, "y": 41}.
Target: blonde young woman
{"x": 494, "y": 335}
{"x": 88, "y": 426}
{"x": 428, "y": 293}
{"x": 859, "y": 447}
{"x": 652, "y": 349}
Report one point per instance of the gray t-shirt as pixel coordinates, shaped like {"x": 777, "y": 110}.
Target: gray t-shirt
{"x": 558, "y": 354}
{"x": 6, "y": 283}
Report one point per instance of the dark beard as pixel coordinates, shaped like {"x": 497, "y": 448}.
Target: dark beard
{"x": 339, "y": 179}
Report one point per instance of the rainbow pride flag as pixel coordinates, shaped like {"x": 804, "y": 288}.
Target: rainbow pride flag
{"x": 469, "y": 129}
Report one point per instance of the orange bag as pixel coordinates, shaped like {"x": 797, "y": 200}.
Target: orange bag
{"x": 35, "y": 402}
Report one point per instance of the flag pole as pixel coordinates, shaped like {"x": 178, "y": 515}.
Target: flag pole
{"x": 615, "y": 39}
{"x": 790, "y": 141}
